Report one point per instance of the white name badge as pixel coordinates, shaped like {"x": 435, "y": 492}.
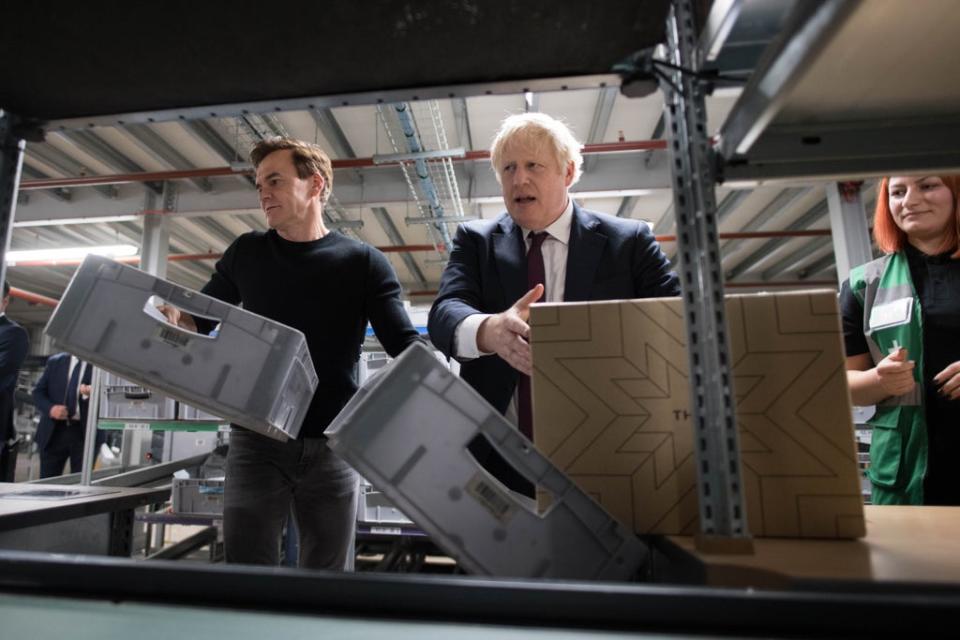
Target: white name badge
{"x": 891, "y": 314}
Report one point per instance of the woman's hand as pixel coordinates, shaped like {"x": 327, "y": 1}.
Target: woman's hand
{"x": 949, "y": 381}
{"x": 895, "y": 373}
{"x": 869, "y": 384}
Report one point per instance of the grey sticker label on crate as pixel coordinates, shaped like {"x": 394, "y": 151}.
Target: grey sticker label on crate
{"x": 491, "y": 497}
{"x": 173, "y": 337}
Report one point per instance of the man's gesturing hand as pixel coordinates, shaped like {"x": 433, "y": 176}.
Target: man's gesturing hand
{"x": 506, "y": 333}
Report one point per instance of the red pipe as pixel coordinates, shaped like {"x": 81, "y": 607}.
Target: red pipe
{"x": 124, "y": 178}
{"x": 33, "y": 298}
{"x": 345, "y": 163}
{"x": 195, "y": 257}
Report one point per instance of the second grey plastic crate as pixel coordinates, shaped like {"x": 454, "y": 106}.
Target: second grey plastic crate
{"x": 197, "y": 496}
{"x": 407, "y": 430}
{"x": 254, "y": 372}
{"x": 187, "y": 412}
{"x": 136, "y": 402}
{"x": 374, "y": 508}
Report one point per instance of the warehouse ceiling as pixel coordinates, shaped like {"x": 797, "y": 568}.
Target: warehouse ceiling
{"x": 97, "y": 176}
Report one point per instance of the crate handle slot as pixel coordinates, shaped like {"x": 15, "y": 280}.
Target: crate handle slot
{"x": 152, "y": 309}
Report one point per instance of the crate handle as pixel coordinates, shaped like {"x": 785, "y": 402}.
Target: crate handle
{"x": 152, "y": 309}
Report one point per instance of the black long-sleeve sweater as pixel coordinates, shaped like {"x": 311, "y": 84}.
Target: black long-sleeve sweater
{"x": 328, "y": 289}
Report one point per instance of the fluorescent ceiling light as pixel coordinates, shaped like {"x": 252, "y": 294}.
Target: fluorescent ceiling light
{"x": 57, "y": 222}
{"x": 72, "y": 253}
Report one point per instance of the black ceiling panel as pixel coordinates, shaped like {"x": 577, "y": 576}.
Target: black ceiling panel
{"x": 60, "y": 60}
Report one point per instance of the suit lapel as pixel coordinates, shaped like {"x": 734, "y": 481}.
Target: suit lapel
{"x": 510, "y": 259}
{"x": 584, "y": 254}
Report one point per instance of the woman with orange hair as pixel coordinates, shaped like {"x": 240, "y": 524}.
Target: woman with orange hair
{"x": 901, "y": 323}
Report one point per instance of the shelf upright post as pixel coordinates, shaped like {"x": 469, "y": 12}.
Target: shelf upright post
{"x": 723, "y": 522}
{"x": 93, "y": 418}
{"x": 155, "y": 240}
{"x": 848, "y": 223}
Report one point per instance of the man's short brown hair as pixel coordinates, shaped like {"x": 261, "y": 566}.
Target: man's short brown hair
{"x": 308, "y": 158}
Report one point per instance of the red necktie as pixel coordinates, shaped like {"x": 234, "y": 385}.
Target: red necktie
{"x": 536, "y": 274}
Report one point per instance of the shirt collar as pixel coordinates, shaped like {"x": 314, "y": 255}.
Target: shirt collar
{"x": 560, "y": 228}
{"x": 915, "y": 256}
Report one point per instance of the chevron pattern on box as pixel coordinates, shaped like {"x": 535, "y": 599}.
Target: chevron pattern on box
{"x": 611, "y": 407}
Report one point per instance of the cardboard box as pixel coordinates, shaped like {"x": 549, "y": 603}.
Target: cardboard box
{"x": 611, "y": 406}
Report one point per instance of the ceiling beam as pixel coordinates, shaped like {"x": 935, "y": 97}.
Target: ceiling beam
{"x": 65, "y": 165}
{"x": 203, "y": 131}
{"x": 794, "y": 260}
{"x": 327, "y": 124}
{"x": 383, "y": 217}
{"x": 626, "y": 206}
{"x": 91, "y": 144}
{"x": 601, "y": 120}
{"x": 726, "y": 207}
{"x": 784, "y": 200}
{"x": 154, "y": 144}
{"x": 813, "y": 215}
{"x": 817, "y": 266}
{"x": 59, "y": 193}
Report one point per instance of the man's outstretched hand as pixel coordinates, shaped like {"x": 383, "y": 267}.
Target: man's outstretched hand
{"x": 507, "y": 333}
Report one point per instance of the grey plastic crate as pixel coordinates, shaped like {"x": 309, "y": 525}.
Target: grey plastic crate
{"x": 197, "y": 496}
{"x": 406, "y": 431}
{"x": 121, "y": 398}
{"x": 136, "y": 402}
{"x": 254, "y": 372}
{"x": 187, "y": 412}
{"x": 108, "y": 379}
{"x": 374, "y": 508}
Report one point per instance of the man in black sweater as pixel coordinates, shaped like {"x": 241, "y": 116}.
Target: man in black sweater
{"x": 327, "y": 286}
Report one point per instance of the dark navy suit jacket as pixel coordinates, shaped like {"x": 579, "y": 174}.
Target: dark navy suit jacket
{"x": 51, "y": 389}
{"x": 608, "y": 258}
{"x": 14, "y": 345}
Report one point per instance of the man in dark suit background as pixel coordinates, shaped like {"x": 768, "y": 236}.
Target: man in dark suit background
{"x": 14, "y": 345}
{"x": 62, "y": 395}
{"x": 543, "y": 244}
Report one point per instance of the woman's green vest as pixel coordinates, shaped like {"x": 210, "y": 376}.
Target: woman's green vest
{"x": 898, "y": 449}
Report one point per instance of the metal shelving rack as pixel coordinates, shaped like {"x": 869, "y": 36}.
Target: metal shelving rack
{"x": 712, "y": 403}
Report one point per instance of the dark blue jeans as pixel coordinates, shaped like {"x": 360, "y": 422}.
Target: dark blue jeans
{"x": 264, "y": 477}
